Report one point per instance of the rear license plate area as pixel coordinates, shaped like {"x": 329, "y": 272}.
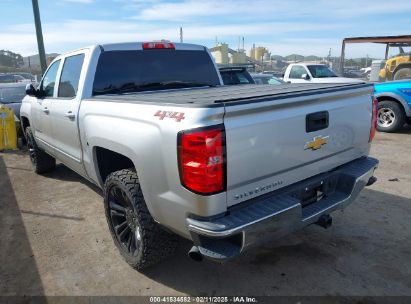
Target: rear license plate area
{"x": 316, "y": 191}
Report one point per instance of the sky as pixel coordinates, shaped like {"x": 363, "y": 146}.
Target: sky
{"x": 283, "y": 26}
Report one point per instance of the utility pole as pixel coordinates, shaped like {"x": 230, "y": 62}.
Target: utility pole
{"x": 39, "y": 34}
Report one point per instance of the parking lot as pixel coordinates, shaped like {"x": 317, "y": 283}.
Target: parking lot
{"x": 54, "y": 240}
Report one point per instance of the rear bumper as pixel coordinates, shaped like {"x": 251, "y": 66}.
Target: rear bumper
{"x": 280, "y": 212}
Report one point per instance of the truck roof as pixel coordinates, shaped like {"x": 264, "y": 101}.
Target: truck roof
{"x": 139, "y": 46}
{"x": 216, "y": 96}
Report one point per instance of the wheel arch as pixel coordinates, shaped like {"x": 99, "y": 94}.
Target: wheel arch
{"x": 25, "y": 122}
{"x": 108, "y": 161}
{"x": 401, "y": 66}
{"x": 395, "y": 98}
{"x": 115, "y": 158}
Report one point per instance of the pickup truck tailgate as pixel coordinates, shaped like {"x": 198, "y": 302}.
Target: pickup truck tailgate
{"x": 273, "y": 141}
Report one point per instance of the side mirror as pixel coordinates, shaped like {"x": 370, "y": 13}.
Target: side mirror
{"x": 305, "y": 77}
{"x": 31, "y": 90}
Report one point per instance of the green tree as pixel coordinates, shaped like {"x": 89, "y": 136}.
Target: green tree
{"x": 10, "y": 59}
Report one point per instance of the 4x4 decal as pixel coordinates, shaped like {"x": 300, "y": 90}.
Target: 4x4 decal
{"x": 178, "y": 116}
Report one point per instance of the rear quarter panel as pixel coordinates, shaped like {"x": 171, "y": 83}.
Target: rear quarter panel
{"x": 134, "y": 131}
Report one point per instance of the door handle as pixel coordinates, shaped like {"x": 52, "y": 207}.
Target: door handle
{"x": 70, "y": 115}
{"x": 45, "y": 110}
{"x": 316, "y": 121}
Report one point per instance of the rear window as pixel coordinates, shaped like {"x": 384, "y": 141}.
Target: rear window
{"x": 12, "y": 94}
{"x": 233, "y": 77}
{"x": 156, "y": 69}
{"x": 321, "y": 71}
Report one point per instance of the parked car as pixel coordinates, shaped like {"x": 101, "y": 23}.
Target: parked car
{"x": 314, "y": 73}
{"x": 28, "y": 76}
{"x": 11, "y": 78}
{"x": 352, "y": 73}
{"x": 394, "y": 104}
{"x": 266, "y": 79}
{"x": 177, "y": 152}
{"x": 11, "y": 95}
{"x": 235, "y": 75}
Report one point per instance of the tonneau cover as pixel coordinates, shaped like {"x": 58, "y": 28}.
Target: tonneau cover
{"x": 222, "y": 94}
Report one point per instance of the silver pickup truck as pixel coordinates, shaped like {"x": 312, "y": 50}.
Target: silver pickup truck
{"x": 177, "y": 153}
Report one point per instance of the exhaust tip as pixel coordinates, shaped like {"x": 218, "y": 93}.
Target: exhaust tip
{"x": 195, "y": 254}
{"x": 371, "y": 181}
{"x": 325, "y": 221}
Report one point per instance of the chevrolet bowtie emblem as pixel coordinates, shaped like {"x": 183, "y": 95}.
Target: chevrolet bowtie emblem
{"x": 316, "y": 143}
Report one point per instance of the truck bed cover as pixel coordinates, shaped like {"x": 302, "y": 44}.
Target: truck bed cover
{"x": 216, "y": 96}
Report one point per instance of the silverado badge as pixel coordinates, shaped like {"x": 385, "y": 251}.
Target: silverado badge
{"x": 316, "y": 143}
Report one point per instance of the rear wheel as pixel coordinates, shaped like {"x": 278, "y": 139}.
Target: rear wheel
{"x": 141, "y": 241}
{"x": 404, "y": 73}
{"x": 390, "y": 117}
{"x": 41, "y": 161}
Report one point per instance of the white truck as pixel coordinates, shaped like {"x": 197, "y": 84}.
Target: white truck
{"x": 177, "y": 153}
{"x": 314, "y": 73}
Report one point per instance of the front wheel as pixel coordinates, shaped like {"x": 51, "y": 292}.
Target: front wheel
{"x": 390, "y": 117}
{"x": 41, "y": 161}
{"x": 141, "y": 241}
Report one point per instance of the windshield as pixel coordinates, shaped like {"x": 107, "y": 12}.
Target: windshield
{"x": 267, "y": 80}
{"x": 157, "y": 69}
{"x": 321, "y": 71}
{"x": 12, "y": 94}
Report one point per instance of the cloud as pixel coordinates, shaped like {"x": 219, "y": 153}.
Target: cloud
{"x": 283, "y": 26}
{"x": 274, "y": 9}
{"x": 59, "y": 36}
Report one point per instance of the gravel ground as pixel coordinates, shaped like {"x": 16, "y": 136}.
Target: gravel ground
{"x": 54, "y": 240}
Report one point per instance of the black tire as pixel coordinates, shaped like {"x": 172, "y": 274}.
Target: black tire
{"x": 141, "y": 241}
{"x": 41, "y": 161}
{"x": 402, "y": 73}
{"x": 390, "y": 117}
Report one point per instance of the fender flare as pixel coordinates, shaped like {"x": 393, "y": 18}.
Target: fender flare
{"x": 398, "y": 98}
{"x": 400, "y": 66}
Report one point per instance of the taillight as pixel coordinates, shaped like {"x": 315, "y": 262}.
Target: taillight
{"x": 374, "y": 118}
{"x": 201, "y": 157}
{"x": 158, "y": 45}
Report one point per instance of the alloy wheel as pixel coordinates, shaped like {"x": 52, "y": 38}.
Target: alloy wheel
{"x": 124, "y": 221}
{"x": 32, "y": 151}
{"x": 386, "y": 117}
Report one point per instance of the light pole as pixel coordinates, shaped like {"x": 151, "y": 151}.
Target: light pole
{"x": 39, "y": 34}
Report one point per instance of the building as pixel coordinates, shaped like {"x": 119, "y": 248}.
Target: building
{"x": 259, "y": 53}
{"x": 220, "y": 53}
{"x": 224, "y": 55}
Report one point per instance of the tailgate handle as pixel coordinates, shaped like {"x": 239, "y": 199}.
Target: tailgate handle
{"x": 316, "y": 121}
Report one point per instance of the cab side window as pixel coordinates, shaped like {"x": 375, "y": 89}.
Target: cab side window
{"x": 70, "y": 76}
{"x": 297, "y": 71}
{"x": 48, "y": 83}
